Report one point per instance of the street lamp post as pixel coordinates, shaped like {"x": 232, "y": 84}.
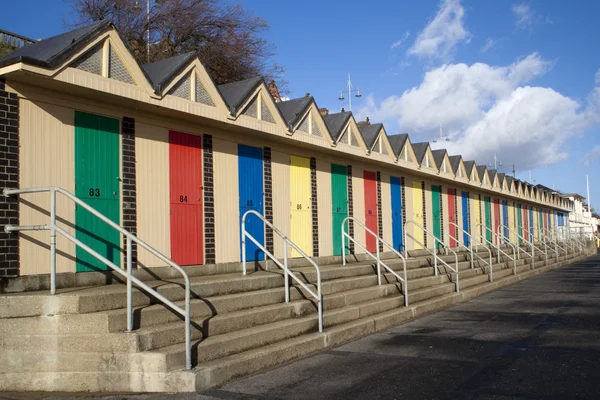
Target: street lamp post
{"x": 350, "y": 89}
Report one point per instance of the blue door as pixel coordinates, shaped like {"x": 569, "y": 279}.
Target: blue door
{"x": 531, "y": 233}
{"x": 505, "y": 219}
{"x": 466, "y": 216}
{"x": 396, "y": 212}
{"x": 250, "y": 189}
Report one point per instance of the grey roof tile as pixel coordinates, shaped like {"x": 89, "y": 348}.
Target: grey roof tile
{"x": 293, "y": 110}
{"x": 438, "y": 156}
{"x": 336, "y": 122}
{"x": 53, "y": 51}
{"x": 370, "y": 133}
{"x": 481, "y": 171}
{"x": 235, "y": 93}
{"x": 397, "y": 142}
{"x": 455, "y": 163}
{"x": 162, "y": 72}
{"x": 469, "y": 167}
{"x": 492, "y": 173}
{"x": 420, "y": 150}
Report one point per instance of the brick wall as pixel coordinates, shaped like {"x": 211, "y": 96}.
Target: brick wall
{"x": 314, "y": 206}
{"x": 129, "y": 191}
{"x": 268, "y": 189}
{"x": 9, "y": 178}
{"x": 350, "y": 208}
{"x": 379, "y": 216}
{"x": 209, "y": 200}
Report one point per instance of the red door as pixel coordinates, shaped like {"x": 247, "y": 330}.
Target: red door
{"x": 452, "y": 215}
{"x": 371, "y": 208}
{"x": 496, "y": 217}
{"x": 185, "y": 173}
{"x": 545, "y": 221}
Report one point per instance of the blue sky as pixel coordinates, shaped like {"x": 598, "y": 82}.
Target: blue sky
{"x": 515, "y": 78}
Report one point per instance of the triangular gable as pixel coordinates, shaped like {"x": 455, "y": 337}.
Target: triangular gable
{"x": 194, "y": 84}
{"x": 446, "y": 167}
{"x": 424, "y": 156}
{"x": 311, "y": 122}
{"x": 474, "y": 176}
{"x": 108, "y": 57}
{"x": 496, "y": 184}
{"x": 260, "y": 105}
{"x": 351, "y": 135}
{"x": 407, "y": 153}
{"x": 443, "y": 162}
{"x": 382, "y": 144}
{"x": 485, "y": 176}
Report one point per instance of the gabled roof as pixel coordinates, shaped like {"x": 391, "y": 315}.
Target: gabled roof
{"x": 420, "y": 150}
{"x": 492, "y": 173}
{"x": 52, "y": 52}
{"x": 397, "y": 142}
{"x": 501, "y": 176}
{"x": 336, "y": 122}
{"x": 469, "y": 167}
{"x": 509, "y": 181}
{"x": 293, "y": 110}
{"x": 438, "y": 157}
{"x": 455, "y": 163}
{"x": 235, "y": 93}
{"x": 481, "y": 171}
{"x": 162, "y": 72}
{"x": 369, "y": 132}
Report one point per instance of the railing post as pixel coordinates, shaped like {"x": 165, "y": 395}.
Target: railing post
{"x": 471, "y": 250}
{"x": 435, "y": 269}
{"x": 378, "y": 265}
{"x": 129, "y": 287}
{"x": 344, "y": 242}
{"x": 53, "y": 241}
{"x": 285, "y": 271}
{"x": 244, "y": 244}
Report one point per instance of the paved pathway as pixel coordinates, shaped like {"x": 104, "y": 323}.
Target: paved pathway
{"x": 539, "y": 339}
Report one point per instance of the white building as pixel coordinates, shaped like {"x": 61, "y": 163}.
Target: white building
{"x": 580, "y": 220}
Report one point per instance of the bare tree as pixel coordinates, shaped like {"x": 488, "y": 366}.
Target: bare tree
{"x": 226, "y": 38}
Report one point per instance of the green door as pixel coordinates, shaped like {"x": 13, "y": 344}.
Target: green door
{"x": 436, "y": 213}
{"x": 488, "y": 217}
{"x": 519, "y": 222}
{"x": 97, "y": 184}
{"x": 339, "y": 205}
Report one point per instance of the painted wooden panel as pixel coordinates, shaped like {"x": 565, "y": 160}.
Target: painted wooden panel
{"x": 488, "y": 219}
{"x": 525, "y": 222}
{"x": 466, "y": 217}
{"x": 186, "y": 198}
{"x": 417, "y": 197}
{"x": 300, "y": 202}
{"x": 531, "y": 222}
{"x": 251, "y": 197}
{"x": 386, "y": 209}
{"x": 370, "y": 187}
{"x": 436, "y": 214}
{"x": 496, "y": 217}
{"x": 46, "y": 140}
{"x": 339, "y": 205}
{"x": 396, "y": 207}
{"x": 227, "y": 230}
{"x": 506, "y": 220}
{"x": 519, "y": 221}
{"x": 280, "y": 166}
{"x": 97, "y": 182}
{"x": 476, "y": 211}
{"x": 511, "y": 221}
{"x": 358, "y": 199}
{"x": 452, "y": 217}
{"x": 324, "y": 202}
{"x": 152, "y": 189}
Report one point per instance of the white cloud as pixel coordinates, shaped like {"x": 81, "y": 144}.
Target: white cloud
{"x": 400, "y": 41}
{"x": 487, "y": 109}
{"x": 523, "y": 14}
{"x": 489, "y": 44}
{"x": 592, "y": 155}
{"x": 443, "y": 33}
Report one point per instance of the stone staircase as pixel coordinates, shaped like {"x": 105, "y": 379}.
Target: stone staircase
{"x": 75, "y": 341}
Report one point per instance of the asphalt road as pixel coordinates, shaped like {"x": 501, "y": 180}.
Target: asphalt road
{"x": 539, "y": 339}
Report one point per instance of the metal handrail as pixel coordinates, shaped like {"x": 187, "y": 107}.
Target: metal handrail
{"x": 555, "y": 241}
{"x": 470, "y": 248}
{"x": 435, "y": 256}
{"x": 54, "y": 228}
{"x": 498, "y": 250}
{"x": 556, "y": 246}
{"x": 519, "y": 249}
{"x": 532, "y": 243}
{"x": 286, "y": 242}
{"x": 578, "y": 242}
{"x": 376, "y": 258}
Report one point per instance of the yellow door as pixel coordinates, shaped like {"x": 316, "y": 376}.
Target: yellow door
{"x": 300, "y": 200}
{"x": 511, "y": 221}
{"x": 419, "y": 235}
{"x": 476, "y": 217}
